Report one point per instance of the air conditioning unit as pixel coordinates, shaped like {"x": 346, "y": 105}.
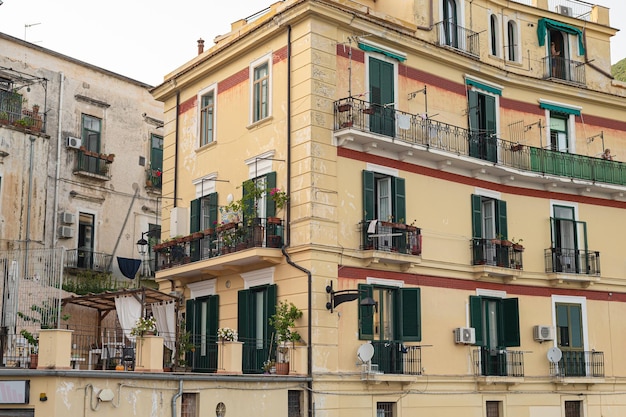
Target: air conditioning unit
{"x": 67, "y": 218}
{"x": 564, "y": 10}
{"x": 465, "y": 335}
{"x": 74, "y": 142}
{"x": 543, "y": 333}
{"x": 66, "y": 232}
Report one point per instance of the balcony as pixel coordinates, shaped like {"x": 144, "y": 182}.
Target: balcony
{"x": 367, "y": 127}
{"x": 393, "y": 243}
{"x": 498, "y": 362}
{"x": 87, "y": 259}
{"x": 558, "y": 68}
{"x": 94, "y": 164}
{"x": 226, "y": 239}
{"x": 579, "y": 364}
{"x": 451, "y": 35}
{"x": 572, "y": 261}
{"x": 154, "y": 179}
{"x": 13, "y": 112}
{"x": 496, "y": 252}
{"x": 394, "y": 357}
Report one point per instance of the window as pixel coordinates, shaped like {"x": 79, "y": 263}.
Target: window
{"x": 482, "y": 123}
{"x": 384, "y": 409}
{"x": 569, "y": 242}
{"x": 207, "y": 117}
{"x": 155, "y": 171}
{"x": 492, "y": 408}
{"x": 263, "y": 206}
{"x": 294, "y": 406}
{"x": 511, "y": 33}
{"x": 489, "y": 221}
{"x": 493, "y": 35}
{"x": 397, "y": 316}
{"x": 573, "y": 408}
{"x": 203, "y": 215}
{"x": 91, "y": 141}
{"x": 260, "y": 73}
{"x": 559, "y": 138}
{"x": 189, "y": 405}
{"x": 496, "y": 322}
{"x": 451, "y": 21}
{"x": 202, "y": 318}
{"x": 382, "y": 95}
{"x": 384, "y": 199}
{"x": 255, "y": 306}
{"x": 85, "y": 248}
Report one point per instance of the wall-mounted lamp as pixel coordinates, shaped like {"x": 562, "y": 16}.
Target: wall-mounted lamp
{"x": 142, "y": 244}
{"x": 341, "y": 296}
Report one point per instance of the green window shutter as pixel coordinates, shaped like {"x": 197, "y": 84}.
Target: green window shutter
{"x": 212, "y": 209}
{"x": 214, "y": 316}
{"x": 399, "y": 204}
{"x": 190, "y": 315}
{"x": 410, "y": 315}
{"x": 244, "y": 307}
{"x": 476, "y": 318}
{"x": 477, "y": 217}
{"x": 194, "y": 218}
{"x": 490, "y": 114}
{"x": 366, "y": 314}
{"x": 510, "y": 322}
{"x": 369, "y": 196}
{"x": 474, "y": 126}
{"x": 156, "y": 152}
{"x": 270, "y": 206}
{"x": 270, "y": 308}
{"x": 501, "y": 215}
{"x": 576, "y": 326}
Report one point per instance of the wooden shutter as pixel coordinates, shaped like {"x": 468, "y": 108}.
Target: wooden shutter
{"x": 501, "y": 224}
{"x": 369, "y": 196}
{"x": 510, "y": 322}
{"x": 366, "y": 314}
{"x": 194, "y": 226}
{"x": 477, "y": 217}
{"x": 214, "y": 319}
{"x": 410, "y": 315}
{"x": 270, "y": 308}
{"x": 474, "y": 127}
{"x": 270, "y": 205}
{"x": 212, "y": 209}
{"x": 476, "y": 318}
{"x": 244, "y": 308}
{"x": 399, "y": 199}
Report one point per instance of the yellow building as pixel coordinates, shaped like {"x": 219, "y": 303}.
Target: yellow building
{"x": 443, "y": 166}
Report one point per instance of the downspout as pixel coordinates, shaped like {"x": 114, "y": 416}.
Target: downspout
{"x": 176, "y": 397}
{"x": 176, "y": 149}
{"x": 430, "y": 17}
{"x": 30, "y": 196}
{"x": 57, "y": 171}
{"x": 288, "y": 237}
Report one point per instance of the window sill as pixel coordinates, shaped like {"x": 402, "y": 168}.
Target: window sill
{"x": 207, "y": 146}
{"x": 260, "y": 123}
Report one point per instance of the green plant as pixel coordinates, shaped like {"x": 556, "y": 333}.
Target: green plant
{"x": 280, "y": 198}
{"x": 517, "y": 241}
{"x": 227, "y": 334}
{"x": 4, "y": 115}
{"x": 33, "y": 341}
{"x": 284, "y": 320}
{"x": 45, "y": 314}
{"x": 143, "y": 325}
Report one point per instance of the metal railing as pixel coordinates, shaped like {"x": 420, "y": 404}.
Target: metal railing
{"x": 154, "y": 178}
{"x": 579, "y": 363}
{"x": 93, "y": 164}
{"x": 393, "y": 357}
{"x": 498, "y": 362}
{"x": 226, "y": 238}
{"x": 391, "y": 237}
{"x": 572, "y": 261}
{"x": 496, "y": 252}
{"x": 454, "y": 36}
{"x": 85, "y": 258}
{"x": 352, "y": 113}
{"x": 556, "y": 67}
{"x": 13, "y": 112}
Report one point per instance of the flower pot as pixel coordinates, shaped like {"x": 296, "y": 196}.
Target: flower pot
{"x": 273, "y": 241}
{"x": 282, "y": 368}
{"x": 34, "y": 360}
{"x": 273, "y": 220}
{"x": 347, "y": 124}
{"x": 368, "y": 111}
{"x": 344, "y": 107}
{"x": 518, "y": 248}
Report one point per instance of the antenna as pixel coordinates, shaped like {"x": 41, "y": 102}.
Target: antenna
{"x": 26, "y": 26}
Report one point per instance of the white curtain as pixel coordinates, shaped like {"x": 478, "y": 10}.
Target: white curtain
{"x": 165, "y": 315}
{"x": 128, "y": 312}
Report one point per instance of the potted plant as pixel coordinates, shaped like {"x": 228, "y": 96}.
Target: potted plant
{"x": 45, "y": 314}
{"x": 280, "y": 199}
{"x": 283, "y": 322}
{"x": 4, "y": 117}
{"x": 226, "y": 334}
{"x": 33, "y": 343}
{"x": 144, "y": 326}
{"x": 517, "y": 245}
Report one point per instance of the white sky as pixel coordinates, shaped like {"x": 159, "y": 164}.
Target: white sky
{"x": 145, "y": 40}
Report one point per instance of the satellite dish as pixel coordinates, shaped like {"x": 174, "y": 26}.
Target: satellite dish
{"x": 554, "y": 354}
{"x": 365, "y": 352}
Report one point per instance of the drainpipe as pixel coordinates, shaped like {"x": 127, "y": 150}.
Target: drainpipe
{"x": 30, "y": 195}
{"x": 176, "y": 397}
{"x": 176, "y": 149}
{"x": 57, "y": 172}
{"x": 288, "y": 236}
{"x": 430, "y": 18}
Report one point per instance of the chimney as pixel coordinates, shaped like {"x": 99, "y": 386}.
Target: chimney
{"x": 200, "y": 46}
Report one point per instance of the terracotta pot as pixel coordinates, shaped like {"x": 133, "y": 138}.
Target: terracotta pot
{"x": 273, "y": 220}
{"x": 34, "y": 361}
{"x": 282, "y": 368}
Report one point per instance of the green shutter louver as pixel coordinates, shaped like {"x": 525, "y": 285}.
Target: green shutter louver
{"x": 476, "y": 318}
{"x": 212, "y": 209}
{"x": 410, "y": 315}
{"x": 399, "y": 196}
{"x": 271, "y": 299}
{"x": 194, "y": 226}
{"x": 245, "y": 324}
{"x": 510, "y": 322}
{"x": 270, "y": 205}
{"x": 369, "y": 196}
{"x": 502, "y": 227}
{"x": 366, "y": 313}
{"x": 477, "y": 217}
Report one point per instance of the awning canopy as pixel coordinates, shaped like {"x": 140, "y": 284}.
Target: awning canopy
{"x": 544, "y": 24}
{"x": 559, "y": 109}
{"x": 105, "y": 302}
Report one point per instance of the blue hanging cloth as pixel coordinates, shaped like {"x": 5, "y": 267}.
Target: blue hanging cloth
{"x": 128, "y": 267}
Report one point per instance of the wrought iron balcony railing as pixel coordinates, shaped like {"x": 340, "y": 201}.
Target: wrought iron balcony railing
{"x": 154, "y": 178}
{"x": 498, "y": 362}
{"x": 454, "y": 36}
{"x": 94, "y": 163}
{"x": 351, "y": 113}
{"x": 391, "y": 237}
{"x": 558, "y": 68}
{"x": 496, "y": 252}
{"x": 86, "y": 258}
{"x": 579, "y": 364}
{"x": 393, "y": 357}
{"x": 572, "y": 261}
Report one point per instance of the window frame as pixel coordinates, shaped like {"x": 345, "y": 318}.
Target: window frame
{"x": 508, "y": 314}
{"x": 264, "y": 60}
{"x": 494, "y": 35}
{"x": 202, "y": 140}
{"x": 513, "y": 37}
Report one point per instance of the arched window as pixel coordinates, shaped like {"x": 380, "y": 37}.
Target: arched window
{"x": 493, "y": 32}
{"x": 450, "y": 20}
{"x": 511, "y": 29}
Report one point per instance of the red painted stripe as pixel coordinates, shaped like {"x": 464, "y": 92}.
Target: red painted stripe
{"x": 343, "y": 50}
{"x": 188, "y": 104}
{"x": 235, "y": 79}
